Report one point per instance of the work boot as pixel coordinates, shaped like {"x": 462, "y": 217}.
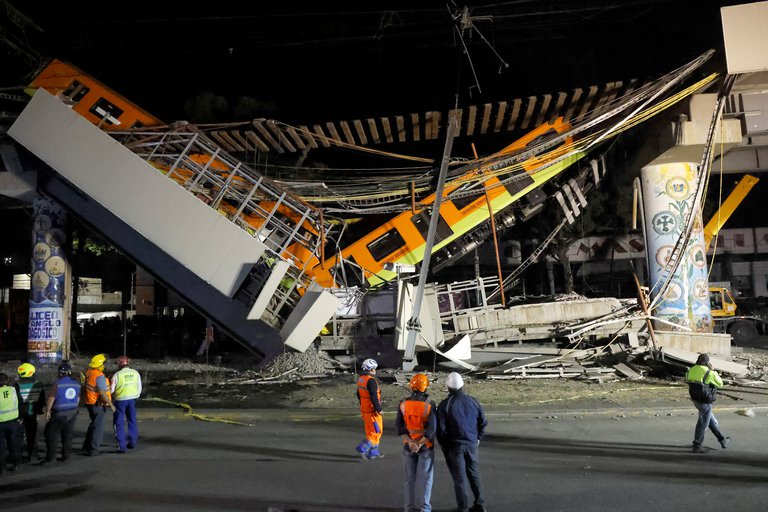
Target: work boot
{"x": 363, "y": 448}
{"x": 724, "y": 442}
{"x": 374, "y": 453}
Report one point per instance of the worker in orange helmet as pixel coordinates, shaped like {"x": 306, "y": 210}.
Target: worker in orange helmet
{"x": 417, "y": 424}
{"x": 369, "y": 396}
{"x": 96, "y": 398}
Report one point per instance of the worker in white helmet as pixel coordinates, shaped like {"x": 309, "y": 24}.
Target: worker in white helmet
{"x": 369, "y": 396}
{"x": 461, "y": 424}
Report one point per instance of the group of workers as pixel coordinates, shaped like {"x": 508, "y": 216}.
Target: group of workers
{"x": 22, "y": 402}
{"x": 457, "y": 424}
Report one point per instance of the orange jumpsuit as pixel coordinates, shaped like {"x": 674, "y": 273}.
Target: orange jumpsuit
{"x": 370, "y": 407}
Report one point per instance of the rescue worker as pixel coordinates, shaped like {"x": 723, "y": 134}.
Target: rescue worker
{"x": 60, "y": 414}
{"x": 126, "y": 389}
{"x": 703, "y": 382}
{"x": 10, "y": 411}
{"x": 416, "y": 423}
{"x": 369, "y": 396}
{"x": 461, "y": 424}
{"x": 33, "y": 398}
{"x": 96, "y": 398}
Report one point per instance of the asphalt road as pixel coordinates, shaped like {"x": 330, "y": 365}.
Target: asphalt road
{"x": 610, "y": 460}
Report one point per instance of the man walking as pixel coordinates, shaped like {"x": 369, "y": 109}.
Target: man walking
{"x": 369, "y": 396}
{"x": 33, "y": 398}
{"x": 97, "y": 399}
{"x": 416, "y": 423}
{"x": 126, "y": 389}
{"x": 461, "y": 424}
{"x": 703, "y": 382}
{"x": 10, "y": 409}
{"x": 61, "y": 413}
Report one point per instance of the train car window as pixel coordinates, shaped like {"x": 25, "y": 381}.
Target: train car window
{"x": 541, "y": 138}
{"x": 519, "y": 182}
{"x": 386, "y": 244}
{"x": 462, "y": 202}
{"x": 74, "y": 93}
{"x": 103, "y": 109}
{"x": 421, "y": 221}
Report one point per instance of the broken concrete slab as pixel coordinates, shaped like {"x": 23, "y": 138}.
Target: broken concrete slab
{"x": 720, "y": 365}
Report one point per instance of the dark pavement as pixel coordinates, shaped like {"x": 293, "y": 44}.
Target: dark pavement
{"x": 610, "y": 459}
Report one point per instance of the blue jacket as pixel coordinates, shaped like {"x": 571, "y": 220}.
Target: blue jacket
{"x": 460, "y": 420}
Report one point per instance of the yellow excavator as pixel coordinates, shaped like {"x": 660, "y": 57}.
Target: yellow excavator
{"x": 742, "y": 328}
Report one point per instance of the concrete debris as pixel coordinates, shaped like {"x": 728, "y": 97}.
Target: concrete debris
{"x": 311, "y": 361}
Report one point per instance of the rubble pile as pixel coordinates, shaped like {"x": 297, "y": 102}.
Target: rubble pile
{"x": 310, "y": 362}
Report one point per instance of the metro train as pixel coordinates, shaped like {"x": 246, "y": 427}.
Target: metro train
{"x": 402, "y": 240}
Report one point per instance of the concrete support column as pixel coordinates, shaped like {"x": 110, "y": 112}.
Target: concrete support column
{"x": 49, "y": 298}
{"x": 668, "y": 189}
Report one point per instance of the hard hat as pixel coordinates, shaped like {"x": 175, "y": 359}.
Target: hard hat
{"x": 454, "y": 381}
{"x": 65, "y": 369}
{"x": 419, "y": 382}
{"x": 26, "y": 370}
{"x": 369, "y": 364}
{"x": 97, "y": 361}
{"x": 122, "y": 361}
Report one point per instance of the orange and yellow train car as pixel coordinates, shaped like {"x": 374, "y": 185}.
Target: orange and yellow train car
{"x": 402, "y": 240}
{"x": 90, "y": 98}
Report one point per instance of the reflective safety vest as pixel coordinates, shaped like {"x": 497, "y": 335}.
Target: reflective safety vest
{"x": 67, "y": 394}
{"x": 9, "y": 404}
{"x": 30, "y": 391}
{"x": 365, "y": 396}
{"x": 126, "y": 384}
{"x": 416, "y": 415}
{"x": 92, "y": 395}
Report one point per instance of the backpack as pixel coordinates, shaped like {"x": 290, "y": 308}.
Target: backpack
{"x": 700, "y": 392}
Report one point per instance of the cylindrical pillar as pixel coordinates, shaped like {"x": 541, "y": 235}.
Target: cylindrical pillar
{"x": 47, "y": 335}
{"x": 668, "y": 190}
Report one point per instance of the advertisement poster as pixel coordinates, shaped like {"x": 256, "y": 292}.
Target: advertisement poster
{"x": 47, "y": 289}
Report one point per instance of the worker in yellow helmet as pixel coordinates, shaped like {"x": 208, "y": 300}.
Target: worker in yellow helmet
{"x": 96, "y": 398}
{"x": 33, "y": 398}
{"x": 416, "y": 423}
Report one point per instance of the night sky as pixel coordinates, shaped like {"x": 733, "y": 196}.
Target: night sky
{"x": 340, "y": 59}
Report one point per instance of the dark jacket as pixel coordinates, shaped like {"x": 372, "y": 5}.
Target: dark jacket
{"x": 32, "y": 394}
{"x": 460, "y": 420}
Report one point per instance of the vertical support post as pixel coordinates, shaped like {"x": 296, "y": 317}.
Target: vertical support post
{"x": 496, "y": 246}
{"x": 322, "y": 241}
{"x": 644, "y": 304}
{"x": 413, "y": 324}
